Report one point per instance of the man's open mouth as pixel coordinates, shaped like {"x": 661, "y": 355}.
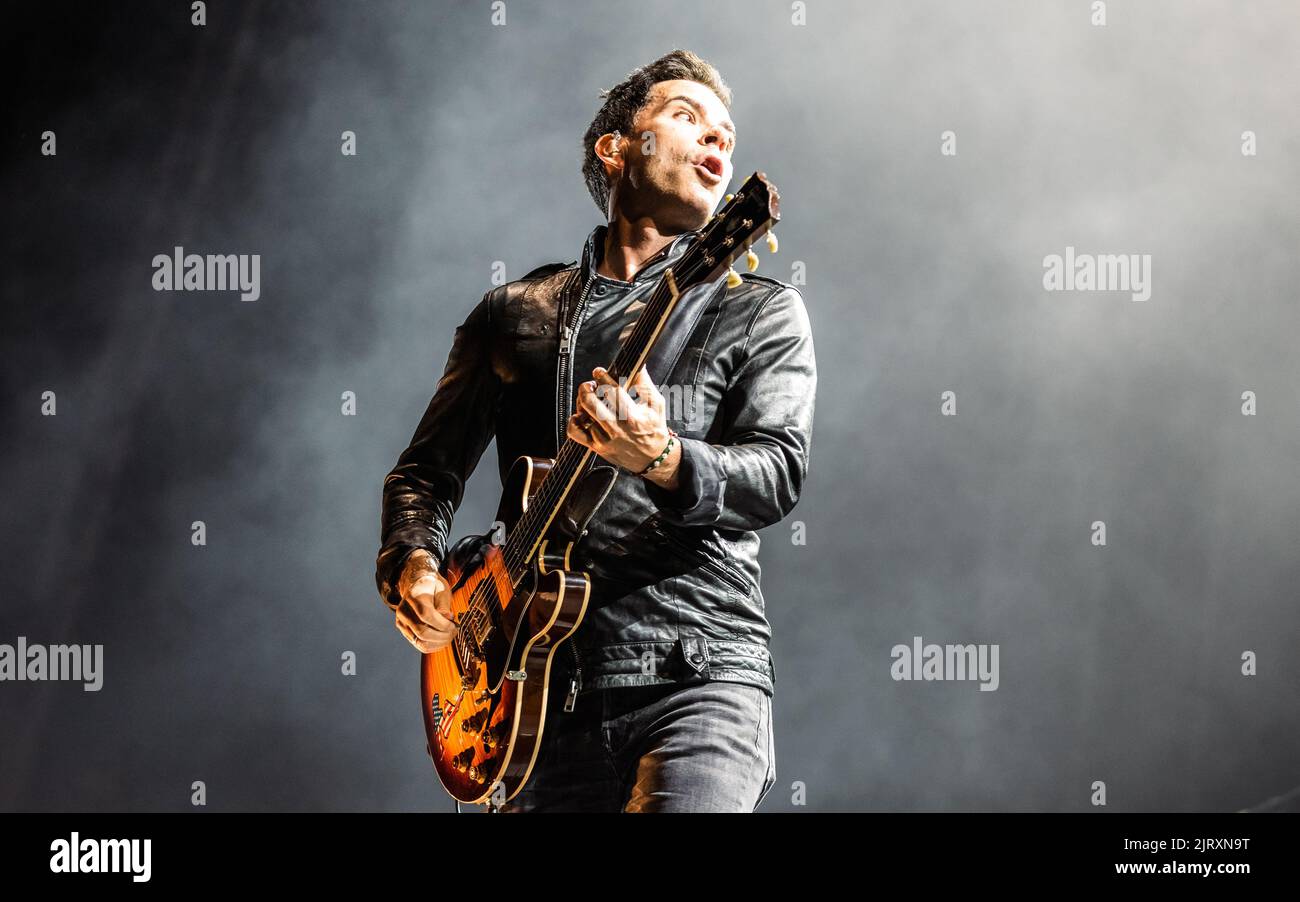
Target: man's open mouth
{"x": 712, "y": 165}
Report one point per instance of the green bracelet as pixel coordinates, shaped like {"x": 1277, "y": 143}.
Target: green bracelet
{"x": 660, "y": 459}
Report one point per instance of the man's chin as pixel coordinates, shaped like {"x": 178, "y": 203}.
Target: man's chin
{"x": 697, "y": 208}
{"x": 686, "y": 207}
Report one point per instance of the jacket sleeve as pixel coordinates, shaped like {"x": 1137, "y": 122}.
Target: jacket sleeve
{"x": 423, "y": 491}
{"x": 752, "y": 477}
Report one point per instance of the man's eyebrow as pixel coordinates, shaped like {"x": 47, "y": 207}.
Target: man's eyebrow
{"x": 700, "y": 109}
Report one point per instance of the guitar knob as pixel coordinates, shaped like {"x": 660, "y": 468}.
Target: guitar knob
{"x": 474, "y": 723}
{"x": 771, "y": 241}
{"x": 463, "y": 761}
{"x": 733, "y": 278}
{"x": 751, "y": 259}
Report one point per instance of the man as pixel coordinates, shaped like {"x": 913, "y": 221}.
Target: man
{"x": 669, "y": 678}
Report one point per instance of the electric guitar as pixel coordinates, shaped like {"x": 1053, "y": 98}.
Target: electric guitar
{"x": 515, "y": 598}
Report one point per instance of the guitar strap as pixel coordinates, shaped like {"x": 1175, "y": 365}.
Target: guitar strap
{"x": 672, "y": 339}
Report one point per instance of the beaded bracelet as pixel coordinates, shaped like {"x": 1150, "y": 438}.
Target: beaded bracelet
{"x": 662, "y": 457}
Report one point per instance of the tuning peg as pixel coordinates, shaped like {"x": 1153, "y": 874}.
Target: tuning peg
{"x": 727, "y": 199}
{"x": 771, "y": 241}
{"x": 751, "y": 259}
{"x": 733, "y": 278}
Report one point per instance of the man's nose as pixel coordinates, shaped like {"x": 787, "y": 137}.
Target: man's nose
{"x": 717, "y": 137}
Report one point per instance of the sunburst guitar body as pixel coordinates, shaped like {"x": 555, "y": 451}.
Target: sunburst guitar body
{"x": 485, "y": 695}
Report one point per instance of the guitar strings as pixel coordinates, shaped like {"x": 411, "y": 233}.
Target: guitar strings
{"x": 692, "y": 263}
{"x": 549, "y": 494}
{"x": 552, "y": 490}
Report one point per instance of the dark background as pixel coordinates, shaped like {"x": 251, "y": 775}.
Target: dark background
{"x": 222, "y": 663}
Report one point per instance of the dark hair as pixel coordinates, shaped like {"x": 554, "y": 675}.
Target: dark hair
{"x": 626, "y": 99}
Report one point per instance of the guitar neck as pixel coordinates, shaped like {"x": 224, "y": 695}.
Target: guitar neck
{"x": 572, "y": 458}
{"x": 747, "y": 213}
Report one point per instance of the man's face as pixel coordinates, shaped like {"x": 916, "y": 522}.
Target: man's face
{"x": 678, "y": 177}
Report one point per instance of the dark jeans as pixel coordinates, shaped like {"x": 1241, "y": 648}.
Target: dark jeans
{"x": 698, "y": 747}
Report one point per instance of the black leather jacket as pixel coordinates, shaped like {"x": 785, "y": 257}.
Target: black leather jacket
{"x": 676, "y": 591}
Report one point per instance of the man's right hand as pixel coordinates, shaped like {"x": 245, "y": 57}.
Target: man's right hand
{"x": 424, "y": 615}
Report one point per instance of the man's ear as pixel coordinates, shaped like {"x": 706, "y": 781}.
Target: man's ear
{"x": 609, "y": 148}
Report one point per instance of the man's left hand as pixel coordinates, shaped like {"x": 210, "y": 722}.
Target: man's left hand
{"x": 626, "y": 432}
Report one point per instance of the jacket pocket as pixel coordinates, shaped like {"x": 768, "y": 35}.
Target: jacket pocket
{"x": 709, "y": 563}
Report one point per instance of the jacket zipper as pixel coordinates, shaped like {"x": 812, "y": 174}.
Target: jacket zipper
{"x": 563, "y": 387}
{"x": 563, "y": 379}
{"x": 575, "y": 683}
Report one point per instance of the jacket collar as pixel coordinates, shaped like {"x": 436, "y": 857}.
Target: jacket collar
{"x": 650, "y": 270}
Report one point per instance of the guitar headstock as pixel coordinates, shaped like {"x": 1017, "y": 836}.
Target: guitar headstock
{"x": 748, "y": 213}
